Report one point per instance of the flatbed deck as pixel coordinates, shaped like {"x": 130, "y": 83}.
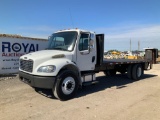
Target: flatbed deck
{"x": 122, "y": 61}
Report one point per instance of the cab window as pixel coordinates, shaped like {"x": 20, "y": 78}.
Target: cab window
{"x": 83, "y": 42}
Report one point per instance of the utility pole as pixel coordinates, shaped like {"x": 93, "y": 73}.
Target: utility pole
{"x": 130, "y": 45}
{"x": 138, "y": 45}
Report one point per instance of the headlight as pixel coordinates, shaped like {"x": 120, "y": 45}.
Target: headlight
{"x": 47, "y": 69}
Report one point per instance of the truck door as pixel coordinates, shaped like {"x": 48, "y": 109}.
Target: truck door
{"x": 86, "y": 52}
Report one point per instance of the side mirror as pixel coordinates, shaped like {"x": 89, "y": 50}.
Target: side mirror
{"x": 91, "y": 42}
{"x": 91, "y": 45}
{"x": 49, "y": 37}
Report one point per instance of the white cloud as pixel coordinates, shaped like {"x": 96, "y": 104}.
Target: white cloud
{"x": 2, "y": 31}
{"x": 35, "y": 35}
{"x": 119, "y": 37}
{"x": 36, "y": 31}
{"x": 150, "y": 31}
{"x": 133, "y": 31}
{"x": 38, "y": 28}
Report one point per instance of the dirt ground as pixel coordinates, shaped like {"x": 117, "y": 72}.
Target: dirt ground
{"x": 113, "y": 98}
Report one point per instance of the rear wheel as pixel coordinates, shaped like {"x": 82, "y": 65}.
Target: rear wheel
{"x": 137, "y": 72}
{"x": 66, "y": 85}
{"x": 129, "y": 71}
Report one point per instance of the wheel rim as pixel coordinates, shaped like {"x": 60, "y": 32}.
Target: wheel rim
{"x": 139, "y": 71}
{"x": 68, "y": 85}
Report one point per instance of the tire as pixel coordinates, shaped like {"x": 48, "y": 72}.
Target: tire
{"x": 150, "y": 66}
{"x": 66, "y": 85}
{"x": 129, "y": 71}
{"x": 137, "y": 72}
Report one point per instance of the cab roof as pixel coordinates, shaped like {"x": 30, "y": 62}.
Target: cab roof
{"x": 76, "y": 29}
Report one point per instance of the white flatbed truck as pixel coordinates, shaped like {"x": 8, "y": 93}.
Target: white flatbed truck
{"x": 71, "y": 60}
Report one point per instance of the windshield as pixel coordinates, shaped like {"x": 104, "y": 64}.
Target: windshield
{"x": 62, "y": 41}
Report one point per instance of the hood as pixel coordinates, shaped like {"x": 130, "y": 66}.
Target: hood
{"x": 47, "y": 54}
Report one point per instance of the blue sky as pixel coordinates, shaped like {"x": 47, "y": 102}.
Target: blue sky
{"x": 119, "y": 20}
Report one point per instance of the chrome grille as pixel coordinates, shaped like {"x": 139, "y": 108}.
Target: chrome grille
{"x": 26, "y": 65}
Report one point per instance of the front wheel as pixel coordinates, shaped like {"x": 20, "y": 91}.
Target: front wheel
{"x": 66, "y": 85}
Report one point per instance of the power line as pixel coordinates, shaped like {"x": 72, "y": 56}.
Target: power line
{"x": 138, "y": 45}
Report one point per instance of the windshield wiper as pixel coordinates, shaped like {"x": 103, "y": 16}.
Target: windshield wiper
{"x": 58, "y": 48}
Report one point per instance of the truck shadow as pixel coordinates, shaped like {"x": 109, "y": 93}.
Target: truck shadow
{"x": 118, "y": 82}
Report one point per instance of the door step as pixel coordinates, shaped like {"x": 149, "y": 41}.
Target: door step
{"x": 90, "y": 83}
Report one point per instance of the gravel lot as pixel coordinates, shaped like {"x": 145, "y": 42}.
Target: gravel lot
{"x": 113, "y": 98}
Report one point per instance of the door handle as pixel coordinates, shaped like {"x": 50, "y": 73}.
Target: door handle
{"x": 84, "y": 52}
{"x": 93, "y": 59}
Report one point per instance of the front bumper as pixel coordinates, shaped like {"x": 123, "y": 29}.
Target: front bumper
{"x": 37, "y": 81}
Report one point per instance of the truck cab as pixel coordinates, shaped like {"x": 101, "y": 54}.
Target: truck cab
{"x": 68, "y": 61}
